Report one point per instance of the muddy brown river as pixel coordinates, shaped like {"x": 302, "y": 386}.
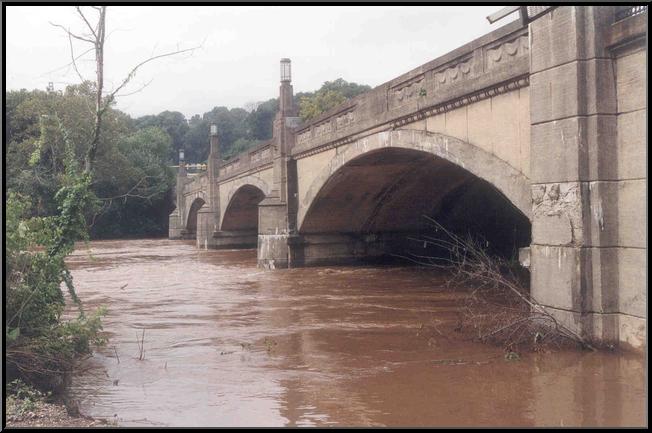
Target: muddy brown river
{"x": 228, "y": 344}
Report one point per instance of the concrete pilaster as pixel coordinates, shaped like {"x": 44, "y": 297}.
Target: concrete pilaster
{"x": 277, "y": 212}
{"x": 578, "y": 225}
{"x": 208, "y": 216}
{"x": 175, "y": 221}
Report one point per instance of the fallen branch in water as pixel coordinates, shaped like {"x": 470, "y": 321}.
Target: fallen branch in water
{"x": 500, "y": 307}
{"x": 141, "y": 346}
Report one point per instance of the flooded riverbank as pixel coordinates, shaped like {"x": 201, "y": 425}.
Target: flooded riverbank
{"x": 228, "y": 344}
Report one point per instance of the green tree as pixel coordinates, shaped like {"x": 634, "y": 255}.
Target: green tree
{"x": 172, "y": 122}
{"x": 261, "y": 120}
{"x": 196, "y": 140}
{"x": 137, "y": 198}
{"x": 331, "y": 94}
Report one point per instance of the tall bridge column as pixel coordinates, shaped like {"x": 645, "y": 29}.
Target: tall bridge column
{"x": 209, "y": 214}
{"x": 277, "y": 212}
{"x": 175, "y": 225}
{"x": 586, "y": 216}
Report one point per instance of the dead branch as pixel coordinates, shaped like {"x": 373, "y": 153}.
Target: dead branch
{"x": 498, "y": 307}
{"x": 103, "y": 101}
{"x": 132, "y": 73}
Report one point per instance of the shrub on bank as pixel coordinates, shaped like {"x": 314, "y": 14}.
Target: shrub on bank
{"x": 41, "y": 347}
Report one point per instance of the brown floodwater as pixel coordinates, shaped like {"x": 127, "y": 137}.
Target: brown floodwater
{"x": 228, "y": 344}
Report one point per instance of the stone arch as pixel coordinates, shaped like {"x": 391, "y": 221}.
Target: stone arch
{"x": 244, "y": 184}
{"x": 190, "y": 222}
{"x": 241, "y": 213}
{"x": 506, "y": 179}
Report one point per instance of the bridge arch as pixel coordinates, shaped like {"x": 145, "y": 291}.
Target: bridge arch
{"x": 385, "y": 183}
{"x": 191, "y": 218}
{"x": 241, "y": 211}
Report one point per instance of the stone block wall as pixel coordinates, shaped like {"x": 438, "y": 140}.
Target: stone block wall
{"x": 588, "y": 183}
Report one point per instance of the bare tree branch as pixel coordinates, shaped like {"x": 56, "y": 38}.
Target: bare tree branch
{"x": 129, "y": 193}
{"x": 67, "y": 64}
{"x": 516, "y": 317}
{"x": 132, "y": 73}
{"x": 86, "y": 21}
{"x": 72, "y": 34}
{"x": 74, "y": 63}
{"x": 136, "y": 91}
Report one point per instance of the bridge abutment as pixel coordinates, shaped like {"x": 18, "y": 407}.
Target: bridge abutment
{"x": 582, "y": 203}
{"x": 206, "y": 224}
{"x": 175, "y": 225}
{"x": 235, "y": 239}
{"x": 316, "y": 249}
{"x": 273, "y": 235}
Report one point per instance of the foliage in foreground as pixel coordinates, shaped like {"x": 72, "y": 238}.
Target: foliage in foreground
{"x": 41, "y": 348}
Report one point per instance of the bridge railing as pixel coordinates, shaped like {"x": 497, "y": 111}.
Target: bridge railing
{"x": 627, "y": 11}
{"x": 462, "y": 76}
{"x": 491, "y": 64}
{"x": 246, "y": 161}
{"x": 195, "y": 182}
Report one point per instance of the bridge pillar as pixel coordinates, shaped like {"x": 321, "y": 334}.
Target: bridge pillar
{"x": 174, "y": 225}
{"x": 175, "y": 221}
{"x": 578, "y": 255}
{"x": 277, "y": 212}
{"x": 209, "y": 214}
{"x": 227, "y": 239}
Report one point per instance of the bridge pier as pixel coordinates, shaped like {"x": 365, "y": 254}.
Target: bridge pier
{"x": 206, "y": 218}
{"x": 273, "y": 235}
{"x": 588, "y": 216}
{"x": 175, "y": 225}
{"x": 235, "y": 239}
{"x": 316, "y": 249}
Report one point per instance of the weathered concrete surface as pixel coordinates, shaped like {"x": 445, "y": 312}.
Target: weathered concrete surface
{"x": 543, "y": 124}
{"x": 589, "y": 215}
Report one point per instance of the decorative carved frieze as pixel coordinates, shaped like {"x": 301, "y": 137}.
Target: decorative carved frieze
{"x": 407, "y": 90}
{"x": 504, "y": 87}
{"x": 465, "y": 100}
{"x": 454, "y": 72}
{"x": 231, "y": 166}
{"x": 304, "y": 137}
{"x": 344, "y": 120}
{"x": 506, "y": 51}
{"x": 259, "y": 155}
{"x": 323, "y": 128}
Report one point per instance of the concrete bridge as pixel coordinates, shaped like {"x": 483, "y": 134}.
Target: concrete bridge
{"x": 533, "y": 136}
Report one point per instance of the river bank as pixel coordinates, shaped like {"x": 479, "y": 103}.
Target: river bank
{"x": 39, "y": 413}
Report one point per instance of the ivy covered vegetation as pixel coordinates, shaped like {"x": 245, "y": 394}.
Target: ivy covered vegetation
{"x": 41, "y": 348}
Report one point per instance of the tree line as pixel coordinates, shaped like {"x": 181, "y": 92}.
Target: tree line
{"x": 239, "y": 129}
{"x": 133, "y": 176}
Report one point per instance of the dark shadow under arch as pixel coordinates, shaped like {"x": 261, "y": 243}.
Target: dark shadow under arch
{"x": 242, "y": 211}
{"x": 390, "y": 190}
{"x": 191, "y": 222}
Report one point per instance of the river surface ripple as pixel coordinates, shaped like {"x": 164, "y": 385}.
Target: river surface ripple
{"x": 228, "y": 344}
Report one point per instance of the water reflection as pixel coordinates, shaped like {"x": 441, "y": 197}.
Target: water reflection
{"x": 227, "y": 344}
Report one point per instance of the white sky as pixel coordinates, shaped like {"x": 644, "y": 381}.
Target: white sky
{"x": 239, "y": 59}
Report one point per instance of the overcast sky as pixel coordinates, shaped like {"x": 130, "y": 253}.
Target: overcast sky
{"x": 238, "y": 61}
